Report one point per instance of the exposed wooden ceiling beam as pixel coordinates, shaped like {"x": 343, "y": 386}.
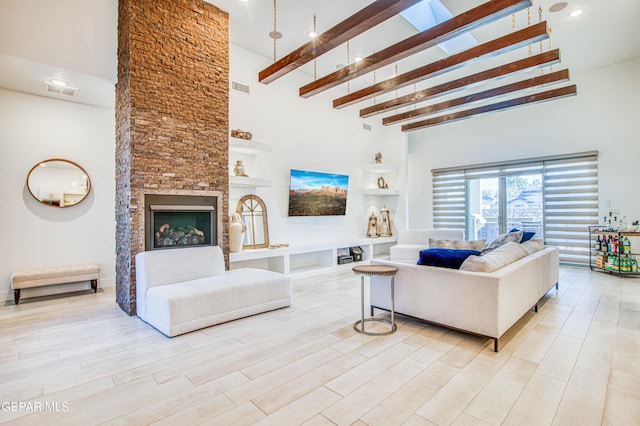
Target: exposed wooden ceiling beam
{"x": 367, "y": 18}
{"x": 500, "y": 106}
{"x": 535, "y": 82}
{"x": 531, "y": 62}
{"x": 495, "y": 47}
{"x": 467, "y": 21}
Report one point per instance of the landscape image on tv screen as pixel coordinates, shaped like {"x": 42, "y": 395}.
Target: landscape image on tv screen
{"x": 317, "y": 194}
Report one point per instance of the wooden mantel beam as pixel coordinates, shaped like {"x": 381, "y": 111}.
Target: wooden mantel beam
{"x": 530, "y": 83}
{"x": 529, "y": 63}
{"x": 548, "y": 95}
{"x": 467, "y": 21}
{"x": 367, "y": 18}
{"x": 495, "y": 47}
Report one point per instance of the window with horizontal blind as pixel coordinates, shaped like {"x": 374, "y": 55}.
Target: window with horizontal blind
{"x": 559, "y": 205}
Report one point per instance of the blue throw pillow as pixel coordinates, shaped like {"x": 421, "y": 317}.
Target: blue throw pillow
{"x": 526, "y": 235}
{"x": 445, "y": 258}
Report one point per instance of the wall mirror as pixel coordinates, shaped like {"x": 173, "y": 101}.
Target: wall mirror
{"x": 58, "y": 183}
{"x": 254, "y": 215}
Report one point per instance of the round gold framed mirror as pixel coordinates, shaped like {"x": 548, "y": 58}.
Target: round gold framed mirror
{"x": 254, "y": 216}
{"x": 58, "y": 183}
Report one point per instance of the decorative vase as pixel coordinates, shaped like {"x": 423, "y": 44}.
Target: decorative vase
{"x": 382, "y": 184}
{"x": 372, "y": 227}
{"x": 239, "y": 170}
{"x": 385, "y": 223}
{"x": 236, "y": 233}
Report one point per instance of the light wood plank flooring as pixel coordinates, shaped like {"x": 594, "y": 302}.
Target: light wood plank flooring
{"x": 79, "y": 360}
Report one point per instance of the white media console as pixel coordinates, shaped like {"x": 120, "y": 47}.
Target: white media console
{"x": 297, "y": 259}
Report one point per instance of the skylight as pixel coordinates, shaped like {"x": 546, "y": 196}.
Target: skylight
{"x": 429, "y": 13}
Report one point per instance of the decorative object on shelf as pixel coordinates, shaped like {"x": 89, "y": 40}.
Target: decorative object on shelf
{"x": 278, "y": 245}
{"x": 385, "y": 223}
{"x": 382, "y": 184}
{"x": 236, "y": 233}
{"x": 344, "y": 256}
{"x": 356, "y": 253}
{"x": 239, "y": 170}
{"x": 58, "y": 183}
{"x": 378, "y": 158}
{"x": 372, "y": 227}
{"x": 241, "y": 134}
{"x": 253, "y": 212}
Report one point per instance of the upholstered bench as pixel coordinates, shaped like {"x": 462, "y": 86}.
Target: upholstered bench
{"x": 184, "y": 289}
{"x": 54, "y": 275}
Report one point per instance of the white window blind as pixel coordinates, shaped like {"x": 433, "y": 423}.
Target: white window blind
{"x": 570, "y": 197}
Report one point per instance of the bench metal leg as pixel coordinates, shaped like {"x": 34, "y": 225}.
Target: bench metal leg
{"x": 496, "y": 346}
{"x": 16, "y": 296}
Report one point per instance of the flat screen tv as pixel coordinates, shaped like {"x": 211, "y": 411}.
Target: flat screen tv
{"x": 317, "y": 194}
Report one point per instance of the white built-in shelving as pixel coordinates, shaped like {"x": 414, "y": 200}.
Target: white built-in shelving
{"x": 247, "y": 149}
{"x": 299, "y": 259}
{"x": 374, "y": 171}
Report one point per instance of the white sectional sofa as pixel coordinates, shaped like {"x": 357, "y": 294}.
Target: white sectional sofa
{"x": 181, "y": 290}
{"x": 483, "y": 303}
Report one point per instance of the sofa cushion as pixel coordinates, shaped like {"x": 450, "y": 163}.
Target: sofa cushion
{"x": 406, "y": 251}
{"x": 457, "y": 245}
{"x": 182, "y": 307}
{"x": 533, "y": 245}
{"x": 502, "y": 239}
{"x": 495, "y": 259}
{"x": 526, "y": 235}
{"x": 445, "y": 258}
{"x": 421, "y": 236}
{"x": 162, "y": 267}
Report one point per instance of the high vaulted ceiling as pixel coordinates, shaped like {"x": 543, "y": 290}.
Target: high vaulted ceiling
{"x": 76, "y": 40}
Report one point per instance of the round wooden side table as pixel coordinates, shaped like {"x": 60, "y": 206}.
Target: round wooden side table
{"x": 379, "y": 270}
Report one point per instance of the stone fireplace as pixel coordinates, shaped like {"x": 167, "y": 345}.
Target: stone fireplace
{"x": 172, "y": 103}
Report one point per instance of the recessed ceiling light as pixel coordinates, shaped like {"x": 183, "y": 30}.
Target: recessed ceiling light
{"x": 357, "y": 59}
{"x": 60, "y": 87}
{"x": 576, "y": 12}
{"x": 312, "y": 34}
{"x": 275, "y": 34}
{"x": 557, "y": 7}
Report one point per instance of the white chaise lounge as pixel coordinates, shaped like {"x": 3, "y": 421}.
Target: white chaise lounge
{"x": 186, "y": 289}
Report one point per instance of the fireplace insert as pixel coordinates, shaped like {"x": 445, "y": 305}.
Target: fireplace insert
{"x": 174, "y": 221}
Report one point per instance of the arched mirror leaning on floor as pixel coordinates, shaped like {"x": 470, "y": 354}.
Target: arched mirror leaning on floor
{"x": 58, "y": 183}
{"x": 254, "y": 216}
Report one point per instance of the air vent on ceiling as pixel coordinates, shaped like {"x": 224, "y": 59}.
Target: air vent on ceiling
{"x": 366, "y": 126}
{"x": 61, "y": 90}
{"x": 239, "y": 87}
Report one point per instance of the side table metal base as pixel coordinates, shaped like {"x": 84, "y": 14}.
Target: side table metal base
{"x": 370, "y": 333}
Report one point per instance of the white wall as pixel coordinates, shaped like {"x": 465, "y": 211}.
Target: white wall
{"x": 604, "y": 116}
{"x": 33, "y": 129}
{"x": 305, "y": 134}
{"x": 308, "y": 134}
